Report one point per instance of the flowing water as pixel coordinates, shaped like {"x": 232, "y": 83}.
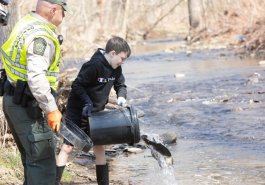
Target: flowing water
{"x": 214, "y": 102}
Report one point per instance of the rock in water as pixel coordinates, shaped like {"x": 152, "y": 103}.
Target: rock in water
{"x": 169, "y": 137}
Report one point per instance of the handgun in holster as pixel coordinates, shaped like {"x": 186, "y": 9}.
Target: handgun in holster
{"x": 27, "y": 96}
{"x": 19, "y": 91}
{"x": 31, "y": 103}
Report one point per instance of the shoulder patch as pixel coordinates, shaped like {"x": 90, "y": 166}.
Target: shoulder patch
{"x": 39, "y": 46}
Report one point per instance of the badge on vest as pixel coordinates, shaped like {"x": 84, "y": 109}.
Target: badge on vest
{"x": 39, "y": 46}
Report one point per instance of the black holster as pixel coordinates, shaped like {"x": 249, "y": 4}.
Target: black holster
{"x": 31, "y": 103}
{"x": 23, "y": 96}
{"x": 19, "y": 91}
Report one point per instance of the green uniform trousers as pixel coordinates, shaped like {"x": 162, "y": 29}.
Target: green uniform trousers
{"x": 35, "y": 142}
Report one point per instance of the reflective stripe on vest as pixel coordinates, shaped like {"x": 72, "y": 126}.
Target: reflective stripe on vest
{"x": 15, "y": 49}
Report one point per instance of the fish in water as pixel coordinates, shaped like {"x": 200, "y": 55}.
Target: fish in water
{"x": 159, "y": 151}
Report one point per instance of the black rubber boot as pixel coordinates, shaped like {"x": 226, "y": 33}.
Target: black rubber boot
{"x": 102, "y": 172}
{"x": 59, "y": 173}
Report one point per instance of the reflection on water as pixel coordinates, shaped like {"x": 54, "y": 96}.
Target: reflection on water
{"x": 216, "y": 107}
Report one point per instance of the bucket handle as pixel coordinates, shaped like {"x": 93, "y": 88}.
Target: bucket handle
{"x": 126, "y": 117}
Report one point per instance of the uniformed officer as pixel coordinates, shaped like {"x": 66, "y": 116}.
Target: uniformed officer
{"x": 90, "y": 93}
{"x": 31, "y": 58}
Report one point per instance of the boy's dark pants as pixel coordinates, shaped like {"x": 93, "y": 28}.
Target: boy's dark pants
{"x": 35, "y": 142}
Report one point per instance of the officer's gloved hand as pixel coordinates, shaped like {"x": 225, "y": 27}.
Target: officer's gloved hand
{"x": 54, "y": 120}
{"x": 86, "y": 112}
{"x": 121, "y": 102}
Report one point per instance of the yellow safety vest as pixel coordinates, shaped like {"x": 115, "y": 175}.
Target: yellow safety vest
{"x": 14, "y": 50}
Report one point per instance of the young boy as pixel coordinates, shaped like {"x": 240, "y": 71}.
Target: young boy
{"x": 90, "y": 93}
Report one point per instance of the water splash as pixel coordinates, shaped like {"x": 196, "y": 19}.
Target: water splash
{"x": 163, "y": 157}
{"x": 168, "y": 176}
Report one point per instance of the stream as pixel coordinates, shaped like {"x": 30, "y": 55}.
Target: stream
{"x": 214, "y": 102}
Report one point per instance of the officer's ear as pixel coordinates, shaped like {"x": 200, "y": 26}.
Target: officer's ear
{"x": 52, "y": 10}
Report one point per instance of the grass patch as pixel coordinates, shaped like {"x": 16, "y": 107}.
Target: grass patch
{"x": 10, "y": 158}
{"x": 11, "y": 169}
{"x": 67, "y": 176}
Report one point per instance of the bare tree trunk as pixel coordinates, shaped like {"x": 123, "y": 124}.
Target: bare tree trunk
{"x": 4, "y": 34}
{"x": 1, "y": 36}
{"x": 195, "y": 13}
{"x": 125, "y": 15}
{"x": 13, "y": 17}
{"x": 159, "y": 19}
{"x": 195, "y": 8}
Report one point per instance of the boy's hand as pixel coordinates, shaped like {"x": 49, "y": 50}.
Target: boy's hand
{"x": 86, "y": 112}
{"x": 121, "y": 101}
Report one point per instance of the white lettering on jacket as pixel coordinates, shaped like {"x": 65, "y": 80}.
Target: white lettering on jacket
{"x": 105, "y": 80}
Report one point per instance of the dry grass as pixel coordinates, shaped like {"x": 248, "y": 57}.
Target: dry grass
{"x": 229, "y": 19}
{"x": 6, "y": 138}
{"x": 11, "y": 170}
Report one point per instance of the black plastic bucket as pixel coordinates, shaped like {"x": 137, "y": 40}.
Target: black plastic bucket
{"x": 115, "y": 127}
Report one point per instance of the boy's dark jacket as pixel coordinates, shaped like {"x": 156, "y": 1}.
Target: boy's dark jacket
{"x": 94, "y": 82}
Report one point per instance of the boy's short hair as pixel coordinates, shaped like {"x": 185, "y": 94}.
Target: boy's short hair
{"x": 119, "y": 45}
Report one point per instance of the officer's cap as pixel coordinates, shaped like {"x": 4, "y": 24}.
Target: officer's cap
{"x": 59, "y": 2}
